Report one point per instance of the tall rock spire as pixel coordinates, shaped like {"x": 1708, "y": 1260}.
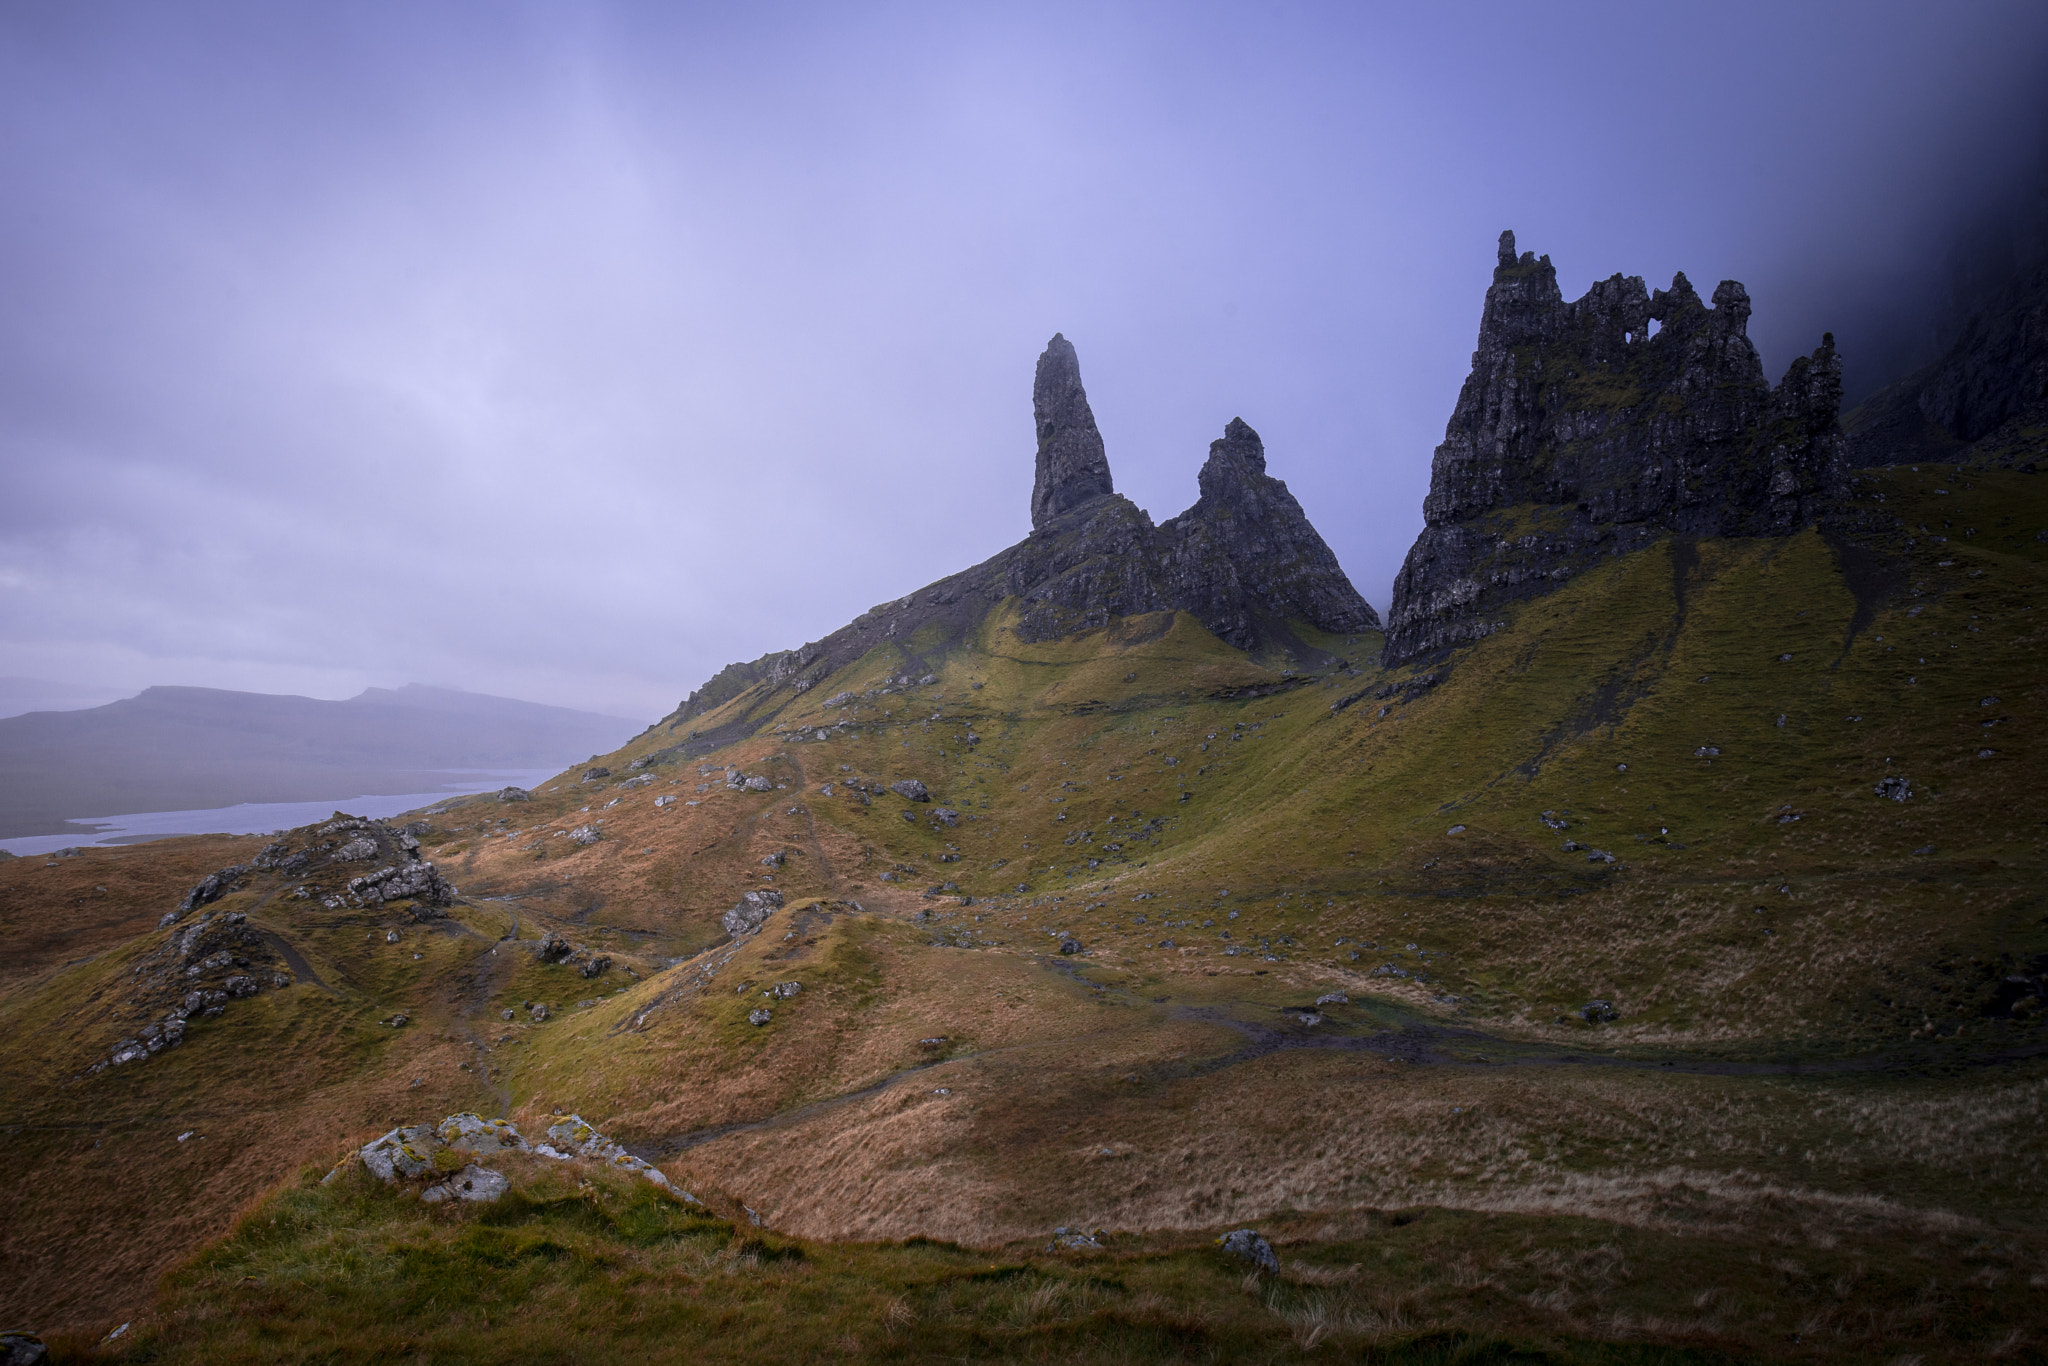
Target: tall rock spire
{"x": 1072, "y": 468}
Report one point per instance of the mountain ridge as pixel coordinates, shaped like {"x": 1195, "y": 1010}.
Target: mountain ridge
{"x": 1244, "y": 559}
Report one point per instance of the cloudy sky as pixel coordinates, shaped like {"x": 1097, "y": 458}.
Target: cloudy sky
{"x": 572, "y": 351}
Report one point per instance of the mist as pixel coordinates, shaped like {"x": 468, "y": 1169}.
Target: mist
{"x": 572, "y": 352}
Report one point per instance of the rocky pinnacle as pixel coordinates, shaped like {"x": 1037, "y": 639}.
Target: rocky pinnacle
{"x": 1072, "y": 468}
{"x": 1243, "y": 561}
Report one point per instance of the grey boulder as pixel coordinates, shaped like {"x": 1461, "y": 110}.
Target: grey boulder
{"x": 753, "y": 908}
{"x": 471, "y": 1133}
{"x": 406, "y": 1151}
{"x": 1247, "y": 1245}
{"x": 471, "y": 1183}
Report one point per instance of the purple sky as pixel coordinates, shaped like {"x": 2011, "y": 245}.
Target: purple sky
{"x": 570, "y": 352}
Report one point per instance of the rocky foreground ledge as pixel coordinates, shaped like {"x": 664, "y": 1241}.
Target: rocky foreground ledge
{"x": 418, "y": 1152}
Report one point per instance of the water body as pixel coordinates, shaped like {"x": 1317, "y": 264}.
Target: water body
{"x": 260, "y": 818}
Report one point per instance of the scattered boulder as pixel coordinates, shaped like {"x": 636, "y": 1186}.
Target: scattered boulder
{"x": 840, "y": 699}
{"x": 774, "y": 860}
{"x": 1894, "y": 788}
{"x": 1599, "y": 1012}
{"x": 946, "y": 815}
{"x": 1247, "y": 1245}
{"x": 1074, "y": 1240}
{"x": 669, "y": 800}
{"x": 782, "y": 991}
{"x": 552, "y": 948}
{"x": 594, "y": 772}
{"x": 539, "y": 1012}
{"x": 585, "y": 834}
{"x": 472, "y": 1133}
{"x": 759, "y": 1017}
{"x": 1069, "y": 944}
{"x": 1335, "y": 998}
{"x": 911, "y": 790}
{"x": 406, "y": 1151}
{"x": 471, "y": 1183}
{"x": 753, "y": 908}
{"x": 358, "y": 850}
{"x": 596, "y": 965}
{"x": 514, "y": 794}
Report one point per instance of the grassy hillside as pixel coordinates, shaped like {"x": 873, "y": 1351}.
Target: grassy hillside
{"x": 1810, "y": 1127}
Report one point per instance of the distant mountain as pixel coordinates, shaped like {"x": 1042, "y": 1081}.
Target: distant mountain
{"x": 172, "y": 749}
{"x": 18, "y": 695}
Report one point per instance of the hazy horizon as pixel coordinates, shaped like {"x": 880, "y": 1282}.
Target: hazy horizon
{"x": 571, "y": 352}
{"x": 14, "y": 690}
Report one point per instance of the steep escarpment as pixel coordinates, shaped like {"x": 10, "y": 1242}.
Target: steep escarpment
{"x": 1244, "y": 560}
{"x": 1587, "y": 428}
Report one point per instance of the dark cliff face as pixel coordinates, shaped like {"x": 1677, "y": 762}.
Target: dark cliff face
{"x": 1246, "y": 550}
{"x": 1072, "y": 466}
{"x": 1993, "y": 376}
{"x": 1583, "y": 431}
{"x": 1244, "y": 560}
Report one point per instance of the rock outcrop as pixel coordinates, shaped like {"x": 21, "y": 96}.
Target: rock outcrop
{"x": 192, "y": 974}
{"x": 751, "y": 912}
{"x": 1073, "y": 468}
{"x": 1587, "y": 429}
{"x": 1244, "y": 560}
{"x": 1246, "y": 550}
{"x": 409, "y": 1153}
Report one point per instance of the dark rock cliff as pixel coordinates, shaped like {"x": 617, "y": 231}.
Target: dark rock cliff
{"x": 1246, "y": 551}
{"x": 1073, "y": 468}
{"x": 1243, "y": 560}
{"x": 1584, "y": 431}
{"x": 1991, "y": 381}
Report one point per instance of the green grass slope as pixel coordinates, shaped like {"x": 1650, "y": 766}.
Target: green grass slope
{"x": 1668, "y": 787}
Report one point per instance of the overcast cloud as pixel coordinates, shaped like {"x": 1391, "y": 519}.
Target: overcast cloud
{"x": 570, "y": 352}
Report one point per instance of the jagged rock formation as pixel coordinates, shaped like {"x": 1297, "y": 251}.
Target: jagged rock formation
{"x": 1244, "y": 560}
{"x": 1583, "y": 432}
{"x": 1073, "y": 469}
{"x": 1246, "y": 548}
